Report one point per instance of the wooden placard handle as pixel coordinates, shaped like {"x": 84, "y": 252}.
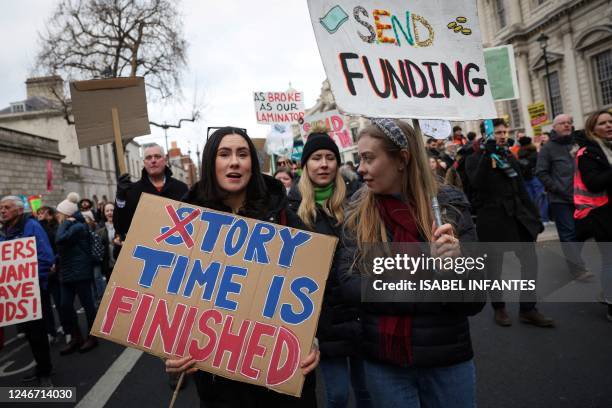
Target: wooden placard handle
{"x": 118, "y": 142}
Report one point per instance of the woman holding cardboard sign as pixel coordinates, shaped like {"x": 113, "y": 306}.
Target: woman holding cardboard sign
{"x": 416, "y": 354}
{"x": 318, "y": 199}
{"x": 231, "y": 181}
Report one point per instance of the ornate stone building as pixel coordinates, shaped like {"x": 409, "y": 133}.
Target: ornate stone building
{"x": 578, "y": 51}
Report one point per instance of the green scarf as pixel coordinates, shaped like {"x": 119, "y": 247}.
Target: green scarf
{"x": 323, "y": 193}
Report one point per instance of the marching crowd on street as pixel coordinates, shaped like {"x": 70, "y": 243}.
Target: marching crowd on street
{"x": 492, "y": 188}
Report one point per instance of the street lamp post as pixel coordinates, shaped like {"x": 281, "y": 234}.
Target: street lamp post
{"x": 543, "y": 40}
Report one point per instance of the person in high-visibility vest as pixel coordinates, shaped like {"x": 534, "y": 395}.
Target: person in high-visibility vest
{"x": 592, "y": 188}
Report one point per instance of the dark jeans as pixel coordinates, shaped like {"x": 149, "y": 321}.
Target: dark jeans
{"x": 68, "y": 315}
{"x": 433, "y": 387}
{"x": 47, "y": 310}
{"x": 563, "y": 215}
{"x": 341, "y": 374}
{"x": 526, "y": 253}
{"x": 39, "y": 344}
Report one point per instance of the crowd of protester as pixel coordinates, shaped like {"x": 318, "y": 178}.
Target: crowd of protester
{"x": 490, "y": 188}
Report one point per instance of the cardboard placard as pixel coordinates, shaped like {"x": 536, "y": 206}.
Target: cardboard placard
{"x": 278, "y": 107}
{"x": 240, "y": 296}
{"x": 335, "y": 123}
{"x": 19, "y": 288}
{"x": 92, "y": 104}
{"x": 421, "y": 59}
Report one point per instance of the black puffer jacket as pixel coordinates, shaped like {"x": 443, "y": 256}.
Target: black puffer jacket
{"x": 596, "y": 175}
{"x": 125, "y": 209}
{"x": 440, "y": 331}
{"x": 339, "y": 329}
{"x": 74, "y": 250}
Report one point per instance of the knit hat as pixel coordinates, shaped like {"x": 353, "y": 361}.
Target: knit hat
{"x": 524, "y": 140}
{"x": 319, "y": 141}
{"x": 69, "y": 205}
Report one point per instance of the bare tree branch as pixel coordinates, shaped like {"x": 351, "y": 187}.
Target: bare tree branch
{"x": 86, "y": 38}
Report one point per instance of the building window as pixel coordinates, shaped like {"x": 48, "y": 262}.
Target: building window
{"x": 100, "y": 161}
{"x": 17, "y": 108}
{"x": 354, "y": 134}
{"x": 555, "y": 94}
{"x": 501, "y": 13}
{"x": 603, "y": 69}
{"x": 515, "y": 114}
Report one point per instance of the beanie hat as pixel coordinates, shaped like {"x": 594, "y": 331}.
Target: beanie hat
{"x": 319, "y": 141}
{"x": 524, "y": 140}
{"x": 69, "y": 205}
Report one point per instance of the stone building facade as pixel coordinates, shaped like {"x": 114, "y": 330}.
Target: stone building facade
{"x": 25, "y": 161}
{"x": 89, "y": 171}
{"x": 579, "y": 54}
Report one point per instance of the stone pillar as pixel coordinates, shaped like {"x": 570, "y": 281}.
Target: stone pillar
{"x": 514, "y": 12}
{"x": 571, "y": 78}
{"x": 525, "y": 97}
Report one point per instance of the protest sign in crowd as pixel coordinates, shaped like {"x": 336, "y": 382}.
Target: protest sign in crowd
{"x": 252, "y": 281}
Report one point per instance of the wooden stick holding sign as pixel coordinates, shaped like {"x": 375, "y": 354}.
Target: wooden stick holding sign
{"x": 118, "y": 142}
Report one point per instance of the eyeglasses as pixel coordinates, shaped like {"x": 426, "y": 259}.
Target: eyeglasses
{"x": 213, "y": 129}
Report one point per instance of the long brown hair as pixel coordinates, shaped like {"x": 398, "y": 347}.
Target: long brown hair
{"x": 591, "y": 122}
{"x": 418, "y": 187}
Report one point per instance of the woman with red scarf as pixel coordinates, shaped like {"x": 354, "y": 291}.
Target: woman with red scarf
{"x": 416, "y": 354}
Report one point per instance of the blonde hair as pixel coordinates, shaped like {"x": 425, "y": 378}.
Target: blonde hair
{"x": 363, "y": 221}
{"x": 334, "y": 206}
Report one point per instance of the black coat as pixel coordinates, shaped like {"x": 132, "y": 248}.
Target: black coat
{"x": 528, "y": 158}
{"x": 504, "y": 211}
{"x": 215, "y": 390}
{"x": 596, "y": 175}
{"x": 339, "y": 328}
{"x": 440, "y": 331}
{"x": 109, "y": 254}
{"x": 555, "y": 167}
{"x": 74, "y": 250}
{"x": 124, "y": 210}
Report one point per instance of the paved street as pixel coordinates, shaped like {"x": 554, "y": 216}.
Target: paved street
{"x": 519, "y": 366}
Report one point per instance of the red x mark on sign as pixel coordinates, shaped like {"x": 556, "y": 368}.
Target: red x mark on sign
{"x": 179, "y": 226}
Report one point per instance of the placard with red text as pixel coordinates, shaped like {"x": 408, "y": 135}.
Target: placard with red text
{"x": 241, "y": 296}
{"x": 19, "y": 288}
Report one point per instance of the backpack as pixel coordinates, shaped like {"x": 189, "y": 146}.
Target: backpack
{"x": 96, "y": 246}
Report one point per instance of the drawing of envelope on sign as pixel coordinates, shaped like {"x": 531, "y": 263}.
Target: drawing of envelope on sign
{"x": 92, "y": 105}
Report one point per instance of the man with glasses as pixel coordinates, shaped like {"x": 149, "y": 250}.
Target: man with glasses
{"x": 156, "y": 179}
{"x": 555, "y": 169}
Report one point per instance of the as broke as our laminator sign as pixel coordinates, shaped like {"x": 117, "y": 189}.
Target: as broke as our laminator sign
{"x": 242, "y": 297}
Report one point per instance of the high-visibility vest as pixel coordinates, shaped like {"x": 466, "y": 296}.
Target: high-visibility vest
{"x": 585, "y": 200}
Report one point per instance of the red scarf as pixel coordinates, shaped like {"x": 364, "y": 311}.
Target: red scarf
{"x": 396, "y": 331}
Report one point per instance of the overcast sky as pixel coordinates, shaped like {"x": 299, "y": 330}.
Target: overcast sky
{"x": 235, "y": 47}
